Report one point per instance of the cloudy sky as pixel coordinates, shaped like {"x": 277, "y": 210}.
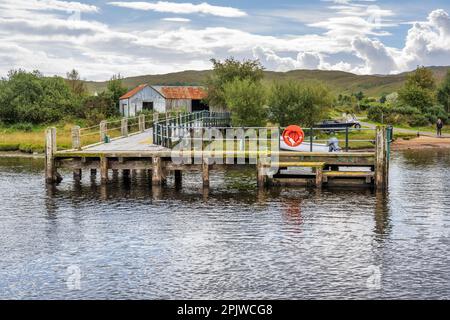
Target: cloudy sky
{"x": 104, "y": 37}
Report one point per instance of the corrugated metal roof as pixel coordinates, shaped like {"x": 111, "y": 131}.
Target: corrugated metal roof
{"x": 181, "y": 92}
{"x": 133, "y": 92}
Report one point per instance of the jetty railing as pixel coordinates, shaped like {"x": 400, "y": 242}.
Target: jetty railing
{"x": 167, "y": 132}
{"x": 198, "y": 128}
{"x": 110, "y": 130}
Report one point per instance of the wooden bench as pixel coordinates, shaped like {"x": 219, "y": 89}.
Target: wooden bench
{"x": 295, "y": 164}
{"x": 368, "y": 175}
{"x": 317, "y": 166}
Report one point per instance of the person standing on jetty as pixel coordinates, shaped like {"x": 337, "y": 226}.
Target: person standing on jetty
{"x": 439, "y": 126}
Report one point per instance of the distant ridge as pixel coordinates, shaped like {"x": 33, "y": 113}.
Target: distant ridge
{"x": 338, "y": 81}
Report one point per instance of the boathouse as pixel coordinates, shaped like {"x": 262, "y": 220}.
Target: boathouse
{"x": 162, "y": 99}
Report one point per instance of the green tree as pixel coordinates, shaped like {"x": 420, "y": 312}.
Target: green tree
{"x": 116, "y": 89}
{"x": 246, "y": 100}
{"x": 359, "y": 96}
{"x": 76, "y": 84}
{"x": 226, "y": 72}
{"x": 443, "y": 94}
{"x": 30, "y": 97}
{"x": 298, "y": 103}
{"x": 419, "y": 90}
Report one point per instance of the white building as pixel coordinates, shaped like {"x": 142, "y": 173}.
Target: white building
{"x": 162, "y": 99}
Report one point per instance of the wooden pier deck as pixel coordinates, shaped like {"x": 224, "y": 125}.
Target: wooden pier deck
{"x": 137, "y": 152}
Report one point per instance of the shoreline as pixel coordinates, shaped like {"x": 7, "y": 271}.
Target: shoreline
{"x": 422, "y": 142}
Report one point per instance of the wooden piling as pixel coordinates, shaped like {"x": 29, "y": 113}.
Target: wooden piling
{"x": 104, "y": 170}
{"x": 103, "y": 130}
{"x": 261, "y": 173}
{"x": 124, "y": 127}
{"x": 77, "y": 174}
{"x": 178, "y": 177}
{"x": 50, "y": 149}
{"x": 205, "y": 173}
{"x": 76, "y": 138}
{"x": 157, "y": 172}
{"x": 381, "y": 164}
{"x": 319, "y": 177}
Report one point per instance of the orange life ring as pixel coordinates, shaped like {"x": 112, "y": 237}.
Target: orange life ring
{"x": 293, "y": 136}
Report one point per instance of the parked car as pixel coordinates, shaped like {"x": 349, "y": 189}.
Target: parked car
{"x": 332, "y": 126}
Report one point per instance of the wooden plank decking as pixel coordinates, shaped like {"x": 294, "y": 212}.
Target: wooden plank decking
{"x": 137, "y": 152}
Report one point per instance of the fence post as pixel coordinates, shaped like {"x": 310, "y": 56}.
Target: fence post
{"x": 142, "y": 122}
{"x": 76, "y": 138}
{"x": 346, "y": 139}
{"x": 124, "y": 127}
{"x": 381, "y": 165}
{"x": 311, "y": 139}
{"x": 103, "y": 130}
{"x": 50, "y": 149}
{"x": 155, "y": 117}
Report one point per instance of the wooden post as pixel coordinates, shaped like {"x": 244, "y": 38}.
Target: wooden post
{"x": 261, "y": 173}
{"x": 77, "y": 174}
{"x": 142, "y": 123}
{"x": 50, "y": 149}
{"x": 157, "y": 173}
{"x": 205, "y": 173}
{"x": 104, "y": 170}
{"x": 103, "y": 130}
{"x": 178, "y": 178}
{"x": 155, "y": 117}
{"x": 319, "y": 177}
{"x": 76, "y": 138}
{"x": 381, "y": 158}
{"x": 124, "y": 127}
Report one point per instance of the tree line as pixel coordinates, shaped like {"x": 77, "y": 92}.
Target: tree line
{"x": 31, "y": 98}
{"x": 238, "y": 87}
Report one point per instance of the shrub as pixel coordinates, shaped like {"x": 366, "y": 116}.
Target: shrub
{"x": 246, "y": 100}
{"x": 26, "y": 127}
{"x": 298, "y": 103}
{"x": 418, "y": 120}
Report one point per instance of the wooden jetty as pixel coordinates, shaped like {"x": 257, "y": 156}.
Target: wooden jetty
{"x": 151, "y": 149}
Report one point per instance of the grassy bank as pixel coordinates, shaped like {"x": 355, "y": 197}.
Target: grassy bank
{"x": 32, "y": 139}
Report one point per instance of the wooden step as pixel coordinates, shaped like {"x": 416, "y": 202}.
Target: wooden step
{"x": 295, "y": 164}
{"x": 368, "y": 175}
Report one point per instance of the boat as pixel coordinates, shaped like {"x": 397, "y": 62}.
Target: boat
{"x": 305, "y": 146}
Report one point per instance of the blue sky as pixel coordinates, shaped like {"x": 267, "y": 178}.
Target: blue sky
{"x": 103, "y": 37}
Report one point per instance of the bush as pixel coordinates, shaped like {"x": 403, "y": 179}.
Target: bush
{"x": 26, "y": 127}
{"x": 246, "y": 100}
{"x": 298, "y": 103}
{"x": 418, "y": 120}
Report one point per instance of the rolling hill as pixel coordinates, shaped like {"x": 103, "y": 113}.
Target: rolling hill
{"x": 338, "y": 81}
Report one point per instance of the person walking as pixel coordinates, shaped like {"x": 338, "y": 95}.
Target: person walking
{"x": 439, "y": 126}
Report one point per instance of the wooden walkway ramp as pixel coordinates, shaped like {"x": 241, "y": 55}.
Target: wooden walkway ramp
{"x": 140, "y": 142}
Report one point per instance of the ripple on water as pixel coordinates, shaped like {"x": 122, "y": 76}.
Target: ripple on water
{"x": 131, "y": 241}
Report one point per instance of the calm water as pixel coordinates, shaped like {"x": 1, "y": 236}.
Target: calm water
{"x": 129, "y": 241}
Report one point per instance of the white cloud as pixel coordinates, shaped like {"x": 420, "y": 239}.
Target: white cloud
{"x": 47, "y": 5}
{"x": 182, "y": 8}
{"x": 35, "y": 36}
{"x": 378, "y": 59}
{"x": 176, "y": 19}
